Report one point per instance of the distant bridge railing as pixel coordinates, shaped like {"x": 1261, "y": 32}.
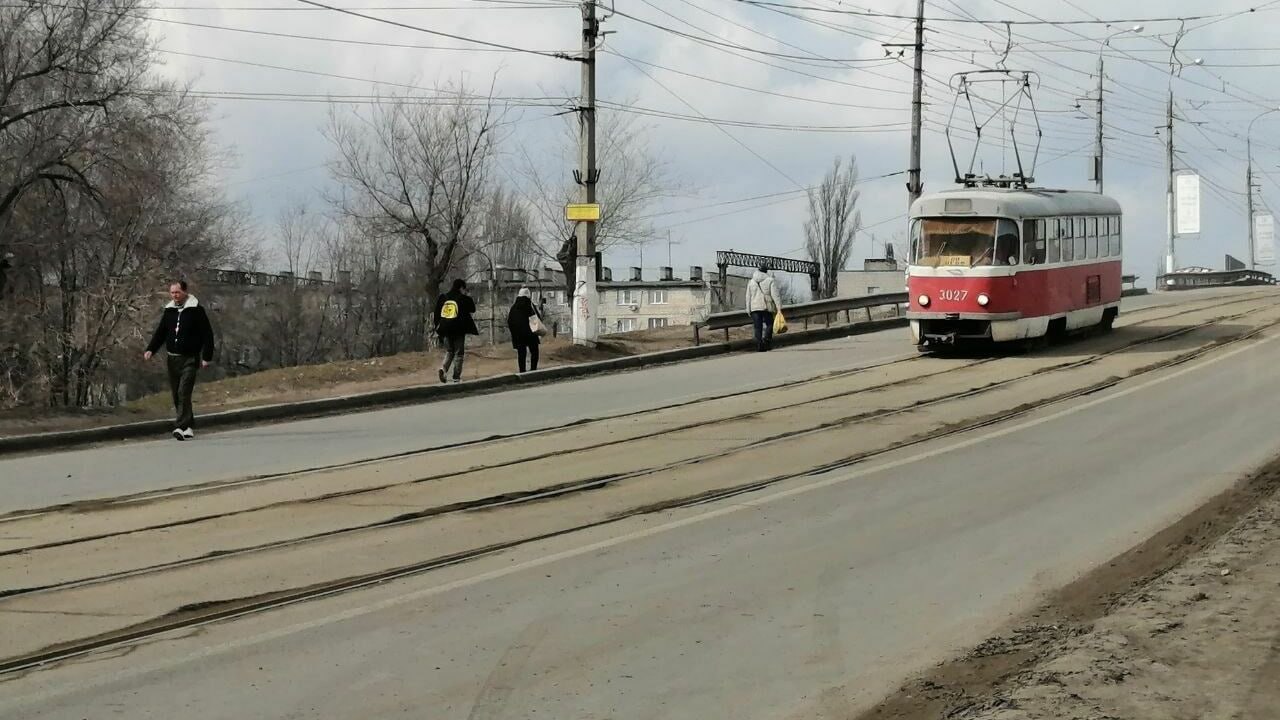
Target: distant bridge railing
{"x": 1217, "y": 278}
{"x": 804, "y": 313}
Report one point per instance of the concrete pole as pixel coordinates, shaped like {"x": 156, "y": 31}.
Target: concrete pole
{"x": 915, "y": 187}
{"x": 1248, "y": 193}
{"x": 1170, "y": 259}
{"x": 586, "y": 300}
{"x": 1097, "y": 168}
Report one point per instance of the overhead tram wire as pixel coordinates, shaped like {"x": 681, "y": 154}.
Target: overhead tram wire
{"x": 748, "y": 88}
{"x": 341, "y": 41}
{"x": 982, "y": 21}
{"x": 815, "y": 55}
{"x": 726, "y": 44}
{"x": 395, "y": 23}
{"x": 1146, "y": 63}
{"x": 802, "y": 73}
{"x": 318, "y": 73}
{"x": 733, "y": 137}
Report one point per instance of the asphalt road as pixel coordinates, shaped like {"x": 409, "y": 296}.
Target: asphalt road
{"x": 809, "y": 600}
{"x": 116, "y": 469}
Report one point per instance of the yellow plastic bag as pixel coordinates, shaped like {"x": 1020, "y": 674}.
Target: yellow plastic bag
{"x": 779, "y": 323}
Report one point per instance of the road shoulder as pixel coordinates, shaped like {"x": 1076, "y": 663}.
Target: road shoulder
{"x": 1184, "y": 625}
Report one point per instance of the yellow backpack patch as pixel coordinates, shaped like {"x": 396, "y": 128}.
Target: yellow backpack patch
{"x": 449, "y": 310}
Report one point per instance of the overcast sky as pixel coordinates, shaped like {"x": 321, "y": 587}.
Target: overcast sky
{"x": 279, "y": 149}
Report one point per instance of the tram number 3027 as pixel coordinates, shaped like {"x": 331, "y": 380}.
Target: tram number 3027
{"x": 954, "y": 295}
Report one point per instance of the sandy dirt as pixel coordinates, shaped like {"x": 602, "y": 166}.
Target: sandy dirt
{"x": 1184, "y": 627}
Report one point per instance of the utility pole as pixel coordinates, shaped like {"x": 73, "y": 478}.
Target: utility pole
{"x": 914, "y": 184}
{"x": 1248, "y": 191}
{"x": 585, "y": 298}
{"x": 1170, "y": 262}
{"x": 1098, "y": 147}
{"x": 1248, "y": 186}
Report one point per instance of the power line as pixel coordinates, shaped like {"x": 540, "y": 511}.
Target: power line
{"x": 451, "y": 36}
{"x": 748, "y": 88}
{"x": 733, "y": 137}
{"x": 981, "y": 21}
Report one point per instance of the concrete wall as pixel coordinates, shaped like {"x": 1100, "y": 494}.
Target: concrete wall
{"x": 860, "y": 283}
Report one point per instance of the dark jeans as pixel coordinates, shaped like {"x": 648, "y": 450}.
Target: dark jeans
{"x": 532, "y": 351}
{"x": 182, "y": 381}
{"x": 762, "y": 322}
{"x": 455, "y": 351}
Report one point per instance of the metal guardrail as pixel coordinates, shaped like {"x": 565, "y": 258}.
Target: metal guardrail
{"x": 803, "y": 312}
{"x": 1219, "y": 278}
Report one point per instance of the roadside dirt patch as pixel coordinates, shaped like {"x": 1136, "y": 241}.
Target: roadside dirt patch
{"x": 346, "y": 378}
{"x": 1160, "y": 632}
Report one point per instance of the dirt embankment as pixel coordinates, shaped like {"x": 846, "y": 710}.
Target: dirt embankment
{"x": 345, "y": 378}
{"x": 1185, "y": 626}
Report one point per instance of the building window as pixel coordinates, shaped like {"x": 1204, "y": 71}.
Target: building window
{"x": 872, "y": 289}
{"x": 658, "y": 297}
{"x": 627, "y": 324}
{"x": 604, "y": 326}
{"x": 628, "y": 297}
{"x": 655, "y": 323}
{"x": 560, "y": 297}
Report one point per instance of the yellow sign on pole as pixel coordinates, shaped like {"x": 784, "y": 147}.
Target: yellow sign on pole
{"x": 582, "y": 212}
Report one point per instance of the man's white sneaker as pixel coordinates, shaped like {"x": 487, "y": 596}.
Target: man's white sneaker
{"x": 178, "y": 434}
{"x": 188, "y": 433}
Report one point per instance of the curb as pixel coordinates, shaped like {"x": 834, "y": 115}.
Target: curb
{"x": 418, "y": 394}
{"x": 1134, "y": 292}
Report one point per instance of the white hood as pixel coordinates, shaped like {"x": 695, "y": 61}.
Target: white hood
{"x": 190, "y": 303}
{"x": 759, "y": 277}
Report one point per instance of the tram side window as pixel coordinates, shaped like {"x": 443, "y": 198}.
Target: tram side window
{"x": 1033, "y": 242}
{"x": 1068, "y": 247}
{"x": 1078, "y": 237}
{"x": 1091, "y": 243}
{"x": 1052, "y": 250}
{"x": 1117, "y": 249}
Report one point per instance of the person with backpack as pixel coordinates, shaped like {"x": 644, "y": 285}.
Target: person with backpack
{"x": 525, "y": 323}
{"x": 763, "y": 300}
{"x": 454, "y": 322}
{"x": 186, "y": 335}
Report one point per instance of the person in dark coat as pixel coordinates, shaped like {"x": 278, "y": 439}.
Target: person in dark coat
{"x": 454, "y": 322}
{"x": 523, "y": 338}
{"x": 187, "y": 336}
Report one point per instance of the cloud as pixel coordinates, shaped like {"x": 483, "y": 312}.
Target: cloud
{"x": 272, "y": 138}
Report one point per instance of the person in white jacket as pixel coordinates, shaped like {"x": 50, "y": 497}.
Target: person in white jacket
{"x": 763, "y": 301}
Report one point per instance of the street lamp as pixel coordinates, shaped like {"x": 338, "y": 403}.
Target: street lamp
{"x": 1248, "y": 184}
{"x": 1175, "y": 69}
{"x": 1098, "y": 150}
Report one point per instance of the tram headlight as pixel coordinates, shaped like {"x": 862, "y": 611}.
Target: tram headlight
{"x": 923, "y": 300}
{"x": 984, "y": 299}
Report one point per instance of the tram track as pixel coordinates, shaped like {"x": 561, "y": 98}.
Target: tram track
{"x": 96, "y": 505}
{"x": 548, "y": 492}
{"x": 195, "y": 615}
{"x": 586, "y": 484}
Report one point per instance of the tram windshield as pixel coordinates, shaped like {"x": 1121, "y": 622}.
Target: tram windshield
{"x": 964, "y": 242}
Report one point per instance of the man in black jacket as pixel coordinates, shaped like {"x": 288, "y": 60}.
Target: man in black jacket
{"x": 187, "y": 336}
{"x": 454, "y": 322}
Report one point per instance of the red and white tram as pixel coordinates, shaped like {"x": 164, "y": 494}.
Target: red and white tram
{"x": 1012, "y": 264}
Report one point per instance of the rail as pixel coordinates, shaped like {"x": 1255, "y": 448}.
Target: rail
{"x": 804, "y": 313}
{"x": 1185, "y": 280}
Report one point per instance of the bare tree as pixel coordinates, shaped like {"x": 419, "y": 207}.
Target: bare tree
{"x": 414, "y": 176}
{"x": 104, "y": 188}
{"x": 834, "y": 221}
{"x": 633, "y": 180}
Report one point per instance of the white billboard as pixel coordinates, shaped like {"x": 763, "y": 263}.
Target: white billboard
{"x": 1264, "y": 239}
{"x": 1188, "y": 204}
